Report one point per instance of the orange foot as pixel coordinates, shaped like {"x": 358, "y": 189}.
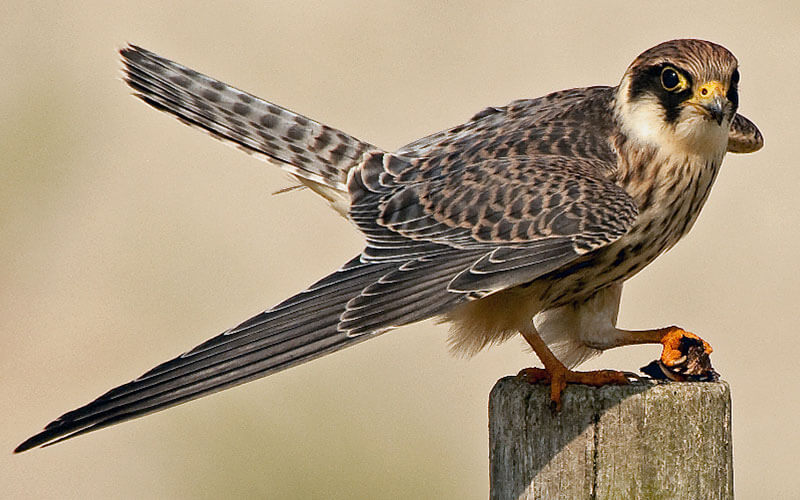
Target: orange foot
{"x": 685, "y": 356}
{"x": 559, "y": 378}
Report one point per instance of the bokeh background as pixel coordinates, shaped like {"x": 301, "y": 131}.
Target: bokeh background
{"x": 127, "y": 238}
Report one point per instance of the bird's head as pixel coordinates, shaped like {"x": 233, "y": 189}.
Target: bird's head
{"x": 680, "y": 95}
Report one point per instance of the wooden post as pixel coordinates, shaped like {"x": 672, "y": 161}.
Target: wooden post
{"x": 648, "y": 439}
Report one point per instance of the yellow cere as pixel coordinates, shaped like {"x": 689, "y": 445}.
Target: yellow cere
{"x": 711, "y": 89}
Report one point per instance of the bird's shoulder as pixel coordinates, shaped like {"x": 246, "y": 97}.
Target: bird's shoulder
{"x": 571, "y": 123}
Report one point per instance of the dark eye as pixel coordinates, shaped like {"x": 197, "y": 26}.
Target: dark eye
{"x": 735, "y": 76}
{"x": 670, "y": 79}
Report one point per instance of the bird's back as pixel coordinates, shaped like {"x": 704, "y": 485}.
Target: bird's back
{"x": 574, "y": 123}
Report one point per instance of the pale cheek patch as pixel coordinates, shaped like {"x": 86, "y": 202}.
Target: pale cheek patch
{"x": 643, "y": 120}
{"x": 692, "y": 134}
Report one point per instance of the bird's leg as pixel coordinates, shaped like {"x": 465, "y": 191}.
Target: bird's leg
{"x": 684, "y": 355}
{"x": 559, "y": 375}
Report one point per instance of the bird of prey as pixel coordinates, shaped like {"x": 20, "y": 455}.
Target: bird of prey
{"x": 526, "y": 219}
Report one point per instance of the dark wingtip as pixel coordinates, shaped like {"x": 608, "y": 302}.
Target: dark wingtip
{"x": 31, "y": 442}
{"x": 55, "y": 432}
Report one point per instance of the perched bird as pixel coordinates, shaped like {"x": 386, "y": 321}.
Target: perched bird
{"x": 526, "y": 219}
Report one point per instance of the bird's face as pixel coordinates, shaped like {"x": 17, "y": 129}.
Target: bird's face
{"x": 680, "y": 95}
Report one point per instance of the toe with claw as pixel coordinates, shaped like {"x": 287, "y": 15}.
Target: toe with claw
{"x": 559, "y": 378}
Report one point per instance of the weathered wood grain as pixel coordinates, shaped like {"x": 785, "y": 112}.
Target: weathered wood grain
{"x": 645, "y": 440}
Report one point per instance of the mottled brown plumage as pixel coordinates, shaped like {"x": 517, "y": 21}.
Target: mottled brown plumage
{"x": 524, "y": 220}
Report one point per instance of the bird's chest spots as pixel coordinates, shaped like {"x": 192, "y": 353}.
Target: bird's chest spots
{"x": 669, "y": 200}
{"x": 670, "y": 204}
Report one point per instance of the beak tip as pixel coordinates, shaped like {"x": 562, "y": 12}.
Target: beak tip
{"x": 716, "y": 109}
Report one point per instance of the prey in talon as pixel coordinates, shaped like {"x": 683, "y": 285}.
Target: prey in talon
{"x": 525, "y": 220}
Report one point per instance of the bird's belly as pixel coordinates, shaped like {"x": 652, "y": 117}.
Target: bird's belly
{"x": 617, "y": 262}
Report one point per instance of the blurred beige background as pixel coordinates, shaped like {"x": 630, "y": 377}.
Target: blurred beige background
{"x": 127, "y": 238}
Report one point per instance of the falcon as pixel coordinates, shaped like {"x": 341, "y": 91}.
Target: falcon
{"x": 525, "y": 220}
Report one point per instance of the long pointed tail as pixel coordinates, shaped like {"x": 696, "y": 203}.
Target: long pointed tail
{"x": 297, "y": 330}
{"x": 318, "y": 155}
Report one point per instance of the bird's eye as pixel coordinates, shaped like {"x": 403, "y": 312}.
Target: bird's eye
{"x": 673, "y": 81}
{"x": 735, "y": 76}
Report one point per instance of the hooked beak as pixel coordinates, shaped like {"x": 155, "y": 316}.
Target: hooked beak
{"x": 711, "y": 99}
{"x": 716, "y": 108}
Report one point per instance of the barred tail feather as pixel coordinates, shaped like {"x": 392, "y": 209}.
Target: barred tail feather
{"x": 318, "y": 155}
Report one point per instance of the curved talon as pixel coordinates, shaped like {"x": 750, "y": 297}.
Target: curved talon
{"x": 685, "y": 357}
{"x": 631, "y": 376}
{"x": 676, "y": 342}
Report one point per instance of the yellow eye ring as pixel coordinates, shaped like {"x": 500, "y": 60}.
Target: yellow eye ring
{"x": 673, "y": 80}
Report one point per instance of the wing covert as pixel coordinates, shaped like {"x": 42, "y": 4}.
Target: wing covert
{"x": 524, "y": 215}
